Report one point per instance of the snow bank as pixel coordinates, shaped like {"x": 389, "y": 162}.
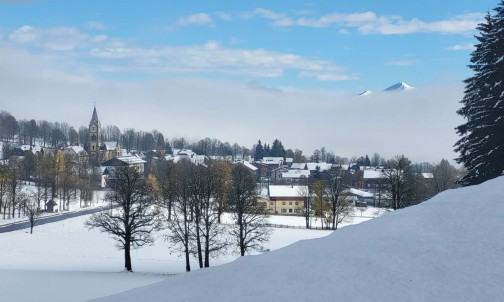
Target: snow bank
{"x": 447, "y": 249}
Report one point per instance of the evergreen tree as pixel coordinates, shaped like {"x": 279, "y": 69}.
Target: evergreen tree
{"x": 267, "y": 150}
{"x": 481, "y": 146}
{"x": 277, "y": 149}
{"x": 367, "y": 161}
{"x": 259, "y": 151}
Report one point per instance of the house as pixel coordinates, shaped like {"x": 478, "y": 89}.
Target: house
{"x": 372, "y": 178}
{"x": 288, "y": 200}
{"x": 51, "y": 206}
{"x": 358, "y": 196}
{"x": 186, "y": 153}
{"x": 107, "y": 167}
{"x": 293, "y": 176}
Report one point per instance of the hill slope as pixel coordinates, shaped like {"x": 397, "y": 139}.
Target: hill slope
{"x": 449, "y": 248}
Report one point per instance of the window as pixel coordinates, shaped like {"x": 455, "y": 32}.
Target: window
{"x": 272, "y": 203}
{"x": 290, "y": 203}
{"x": 297, "y": 211}
{"x": 297, "y": 203}
{"x": 284, "y": 210}
{"x": 283, "y": 203}
{"x": 290, "y": 210}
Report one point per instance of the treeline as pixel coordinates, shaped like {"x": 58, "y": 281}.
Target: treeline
{"x": 59, "y": 135}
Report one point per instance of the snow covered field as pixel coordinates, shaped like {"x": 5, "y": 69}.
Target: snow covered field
{"x": 64, "y": 259}
{"x": 449, "y": 248}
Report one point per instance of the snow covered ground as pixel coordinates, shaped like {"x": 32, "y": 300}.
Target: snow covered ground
{"x": 449, "y": 248}
{"x": 64, "y": 259}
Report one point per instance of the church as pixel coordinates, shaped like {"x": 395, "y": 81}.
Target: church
{"x": 98, "y": 150}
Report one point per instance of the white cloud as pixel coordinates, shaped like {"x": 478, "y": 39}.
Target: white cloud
{"x": 95, "y": 25}
{"x": 325, "y": 76}
{"x": 213, "y": 58}
{"x": 196, "y": 19}
{"x": 25, "y": 34}
{"x": 461, "y": 47}
{"x": 100, "y": 54}
{"x": 55, "y": 39}
{"x": 224, "y": 16}
{"x": 371, "y": 23}
{"x": 278, "y": 19}
{"x": 395, "y": 62}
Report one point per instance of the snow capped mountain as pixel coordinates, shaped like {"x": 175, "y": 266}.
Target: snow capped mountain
{"x": 365, "y": 93}
{"x": 401, "y": 86}
{"x": 446, "y": 249}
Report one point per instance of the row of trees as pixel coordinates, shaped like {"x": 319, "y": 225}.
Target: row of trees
{"x": 188, "y": 200}
{"x": 50, "y": 175}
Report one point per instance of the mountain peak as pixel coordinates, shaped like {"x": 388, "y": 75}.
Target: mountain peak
{"x": 401, "y": 86}
{"x": 365, "y": 93}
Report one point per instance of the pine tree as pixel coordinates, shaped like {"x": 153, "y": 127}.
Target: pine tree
{"x": 481, "y": 146}
{"x": 277, "y": 149}
{"x": 259, "y": 151}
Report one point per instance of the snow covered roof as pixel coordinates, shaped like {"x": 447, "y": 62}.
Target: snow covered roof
{"x": 110, "y": 145}
{"x": 360, "y": 193}
{"x": 299, "y": 166}
{"x": 373, "y": 174}
{"x": 249, "y": 165}
{"x": 131, "y": 160}
{"x": 272, "y": 160}
{"x": 323, "y": 166}
{"x": 76, "y": 149}
{"x": 287, "y": 191}
{"x": 427, "y": 175}
{"x": 296, "y": 174}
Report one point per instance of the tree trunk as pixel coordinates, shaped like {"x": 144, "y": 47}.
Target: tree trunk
{"x": 188, "y": 263}
{"x": 127, "y": 257}
{"x": 198, "y": 245}
{"x": 207, "y": 250}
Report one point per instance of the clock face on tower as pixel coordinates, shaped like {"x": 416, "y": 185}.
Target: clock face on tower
{"x": 93, "y": 129}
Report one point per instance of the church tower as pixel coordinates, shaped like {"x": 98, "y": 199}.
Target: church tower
{"x": 95, "y": 137}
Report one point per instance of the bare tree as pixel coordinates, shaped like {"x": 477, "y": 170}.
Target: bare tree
{"x": 32, "y": 210}
{"x": 307, "y": 210}
{"x": 444, "y": 177}
{"x": 180, "y": 224}
{"x": 339, "y": 206}
{"x": 14, "y": 171}
{"x": 320, "y": 205}
{"x": 221, "y": 171}
{"x": 210, "y": 237}
{"x": 134, "y": 218}
{"x": 397, "y": 181}
{"x": 250, "y": 232}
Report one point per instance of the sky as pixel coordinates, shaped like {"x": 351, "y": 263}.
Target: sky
{"x": 242, "y": 71}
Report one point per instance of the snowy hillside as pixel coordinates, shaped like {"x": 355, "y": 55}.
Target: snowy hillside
{"x": 449, "y": 248}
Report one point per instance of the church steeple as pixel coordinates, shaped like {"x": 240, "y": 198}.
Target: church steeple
{"x": 94, "y": 119}
{"x": 95, "y": 136}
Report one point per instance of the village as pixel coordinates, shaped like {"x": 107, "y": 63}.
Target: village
{"x": 285, "y": 187}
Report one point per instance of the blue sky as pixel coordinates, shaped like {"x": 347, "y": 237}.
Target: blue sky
{"x": 292, "y": 65}
{"x": 343, "y": 45}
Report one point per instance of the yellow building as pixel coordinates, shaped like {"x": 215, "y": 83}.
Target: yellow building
{"x": 286, "y": 200}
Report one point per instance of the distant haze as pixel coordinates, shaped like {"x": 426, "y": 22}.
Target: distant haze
{"x": 418, "y": 123}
